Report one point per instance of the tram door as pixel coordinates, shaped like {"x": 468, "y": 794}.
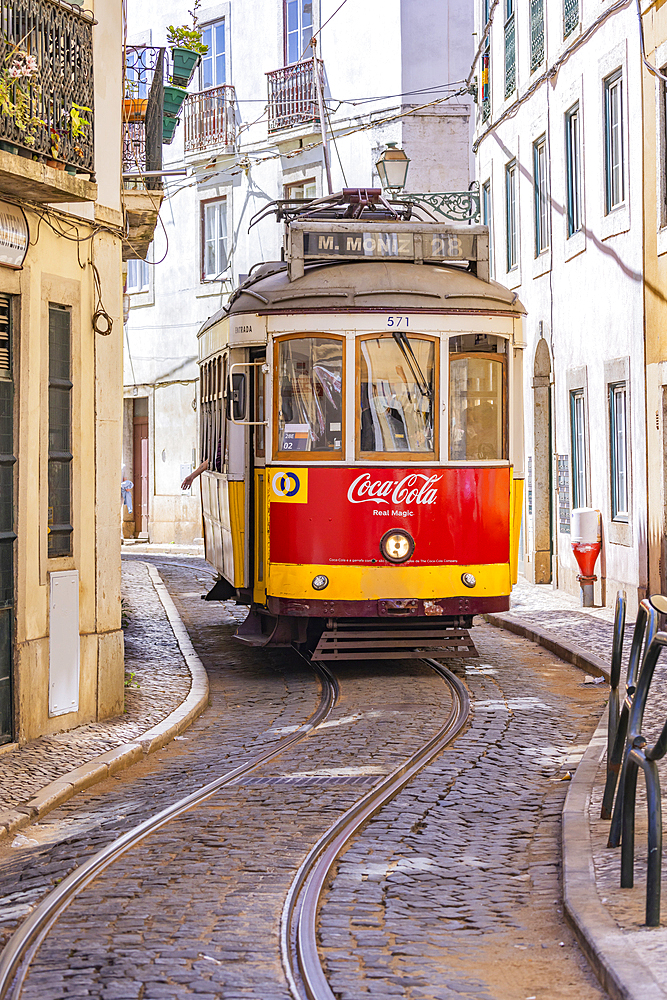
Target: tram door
{"x": 258, "y": 473}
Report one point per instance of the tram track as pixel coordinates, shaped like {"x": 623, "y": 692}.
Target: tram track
{"x": 24, "y": 944}
{"x": 299, "y": 949}
{"x": 299, "y": 933}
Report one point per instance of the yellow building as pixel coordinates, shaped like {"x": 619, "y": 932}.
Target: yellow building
{"x": 61, "y": 226}
{"x": 654, "y": 20}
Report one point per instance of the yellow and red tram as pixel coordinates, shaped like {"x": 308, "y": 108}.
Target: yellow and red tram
{"x": 361, "y": 413}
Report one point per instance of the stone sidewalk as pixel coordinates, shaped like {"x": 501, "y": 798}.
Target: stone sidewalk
{"x": 164, "y": 691}
{"x": 629, "y": 958}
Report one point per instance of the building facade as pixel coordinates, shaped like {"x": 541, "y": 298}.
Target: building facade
{"x": 250, "y": 133}
{"x": 61, "y": 646}
{"x": 558, "y": 144}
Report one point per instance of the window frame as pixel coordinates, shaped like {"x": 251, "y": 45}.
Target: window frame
{"x": 486, "y": 206}
{"x": 394, "y": 457}
{"x": 144, "y": 270}
{"x": 511, "y": 216}
{"x": 65, "y": 457}
{"x": 618, "y": 513}
{"x": 613, "y": 84}
{"x": 211, "y": 26}
{"x": 579, "y": 464}
{"x": 541, "y": 196}
{"x": 307, "y": 456}
{"x": 300, "y": 29}
{"x": 574, "y": 214}
{"x": 288, "y": 185}
{"x": 503, "y": 358}
{"x": 203, "y": 206}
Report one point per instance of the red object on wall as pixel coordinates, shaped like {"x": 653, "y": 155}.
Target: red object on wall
{"x": 455, "y": 515}
{"x": 586, "y": 554}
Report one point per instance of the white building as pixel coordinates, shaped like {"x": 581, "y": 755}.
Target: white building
{"x": 249, "y": 134}
{"x": 558, "y": 143}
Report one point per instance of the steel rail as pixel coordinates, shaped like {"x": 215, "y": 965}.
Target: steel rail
{"x": 23, "y": 945}
{"x": 299, "y": 919}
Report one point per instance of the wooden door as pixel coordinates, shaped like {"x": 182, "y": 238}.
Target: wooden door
{"x": 140, "y": 476}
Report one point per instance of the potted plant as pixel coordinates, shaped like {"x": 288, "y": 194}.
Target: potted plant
{"x": 187, "y": 49}
{"x": 19, "y": 90}
{"x": 169, "y": 123}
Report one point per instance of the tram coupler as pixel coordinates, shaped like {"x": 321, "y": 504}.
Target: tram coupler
{"x": 586, "y": 584}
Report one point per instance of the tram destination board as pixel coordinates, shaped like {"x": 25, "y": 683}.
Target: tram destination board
{"x": 371, "y": 245}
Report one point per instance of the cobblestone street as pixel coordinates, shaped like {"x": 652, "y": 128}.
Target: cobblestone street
{"x": 450, "y": 891}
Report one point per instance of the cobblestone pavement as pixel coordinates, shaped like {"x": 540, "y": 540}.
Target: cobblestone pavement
{"x": 453, "y": 890}
{"x": 157, "y": 681}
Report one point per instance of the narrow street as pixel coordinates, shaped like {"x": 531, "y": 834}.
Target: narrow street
{"x": 452, "y": 890}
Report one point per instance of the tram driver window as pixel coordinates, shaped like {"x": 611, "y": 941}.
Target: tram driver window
{"x": 396, "y": 375}
{"x": 476, "y": 394}
{"x": 310, "y": 396}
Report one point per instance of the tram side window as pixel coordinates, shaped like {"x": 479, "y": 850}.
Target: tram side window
{"x": 213, "y": 423}
{"x": 396, "y": 394}
{"x": 476, "y": 397}
{"x": 310, "y": 395}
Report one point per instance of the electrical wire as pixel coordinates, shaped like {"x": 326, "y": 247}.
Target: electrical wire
{"x": 652, "y": 69}
{"x": 320, "y": 29}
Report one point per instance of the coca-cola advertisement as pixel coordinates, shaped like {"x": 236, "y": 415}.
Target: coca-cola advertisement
{"x": 455, "y": 515}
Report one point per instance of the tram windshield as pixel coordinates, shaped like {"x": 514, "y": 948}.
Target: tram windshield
{"x": 310, "y": 401}
{"x": 396, "y": 393}
{"x": 476, "y": 379}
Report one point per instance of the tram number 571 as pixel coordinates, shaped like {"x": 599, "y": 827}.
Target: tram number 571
{"x": 398, "y": 321}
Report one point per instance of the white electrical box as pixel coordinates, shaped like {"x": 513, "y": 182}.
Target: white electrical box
{"x": 64, "y": 643}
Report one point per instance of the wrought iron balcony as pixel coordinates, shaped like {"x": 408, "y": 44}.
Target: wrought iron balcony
{"x": 570, "y": 16}
{"x": 210, "y": 119}
{"x": 46, "y": 78}
{"x": 293, "y": 96}
{"x": 510, "y": 56}
{"x": 145, "y": 70}
{"x": 536, "y": 34}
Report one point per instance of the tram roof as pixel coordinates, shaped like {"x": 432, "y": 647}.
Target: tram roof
{"x": 362, "y": 285}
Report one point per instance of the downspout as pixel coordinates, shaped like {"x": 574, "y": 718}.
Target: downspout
{"x": 320, "y": 104}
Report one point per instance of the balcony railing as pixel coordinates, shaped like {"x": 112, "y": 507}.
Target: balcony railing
{"x": 145, "y": 70}
{"x": 510, "y": 55}
{"x": 570, "y": 16}
{"x": 46, "y": 72}
{"x": 293, "y": 96}
{"x": 210, "y": 119}
{"x": 536, "y": 34}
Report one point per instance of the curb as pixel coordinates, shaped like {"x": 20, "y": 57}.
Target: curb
{"x": 109, "y": 763}
{"x": 589, "y": 662}
{"x": 622, "y": 972}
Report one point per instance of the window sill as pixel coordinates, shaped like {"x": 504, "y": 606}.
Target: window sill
{"x": 620, "y": 533}
{"x": 615, "y": 222}
{"x": 542, "y": 264}
{"x": 575, "y": 244}
{"x": 513, "y": 279}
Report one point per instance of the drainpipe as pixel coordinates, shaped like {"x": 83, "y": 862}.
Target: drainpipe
{"x": 320, "y": 104}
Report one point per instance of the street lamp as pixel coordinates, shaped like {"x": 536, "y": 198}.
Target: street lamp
{"x": 392, "y": 166}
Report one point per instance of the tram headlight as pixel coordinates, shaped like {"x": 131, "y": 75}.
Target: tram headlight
{"x": 468, "y": 580}
{"x": 320, "y": 582}
{"x": 397, "y": 545}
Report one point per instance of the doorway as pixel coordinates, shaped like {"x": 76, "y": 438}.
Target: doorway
{"x": 7, "y": 535}
{"x": 140, "y": 471}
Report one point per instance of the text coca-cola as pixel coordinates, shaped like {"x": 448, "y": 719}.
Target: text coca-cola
{"x": 414, "y": 488}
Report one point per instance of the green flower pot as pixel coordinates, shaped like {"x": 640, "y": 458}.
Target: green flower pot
{"x": 173, "y": 99}
{"x": 185, "y": 62}
{"x": 169, "y": 123}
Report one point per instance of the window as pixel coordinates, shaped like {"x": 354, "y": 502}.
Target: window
{"x": 214, "y": 239}
{"x": 396, "y": 394}
{"x": 613, "y": 141}
{"x": 578, "y": 434}
{"x": 536, "y": 34}
{"x": 213, "y": 422}
{"x": 486, "y": 67}
{"x": 309, "y": 400}
{"x": 573, "y": 170}
{"x": 570, "y": 16}
{"x": 487, "y": 219}
{"x": 511, "y": 215}
{"x": 213, "y": 64}
{"x": 298, "y": 30}
{"x": 663, "y": 148}
{"x": 510, "y": 48}
{"x": 476, "y": 397}
{"x": 618, "y": 400}
{"x": 60, "y": 432}
{"x": 302, "y": 189}
{"x": 7, "y": 535}
{"x": 541, "y": 196}
{"x": 138, "y": 276}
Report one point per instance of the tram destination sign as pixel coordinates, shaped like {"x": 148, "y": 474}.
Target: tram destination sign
{"x": 374, "y": 245}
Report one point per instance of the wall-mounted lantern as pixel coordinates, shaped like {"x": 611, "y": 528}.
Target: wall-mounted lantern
{"x": 392, "y": 166}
